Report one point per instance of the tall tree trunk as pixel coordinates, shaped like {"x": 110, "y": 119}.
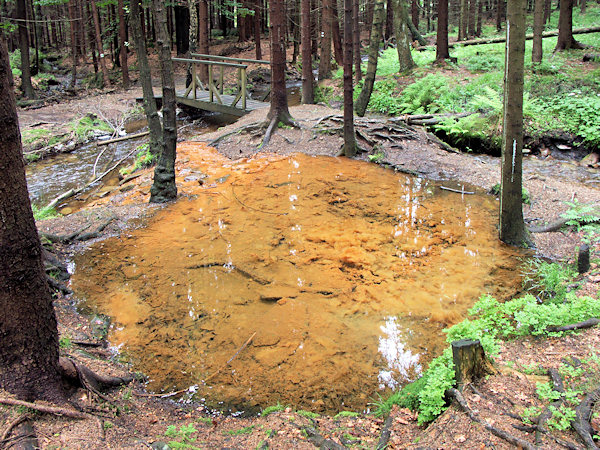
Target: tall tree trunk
{"x": 154, "y": 125}
{"x": 307, "y": 75}
{"x": 182, "y": 29}
{"x": 479, "y": 18}
{"x": 193, "y": 38}
{"x": 256, "y": 23}
{"x": 338, "y": 53}
{"x": 164, "y": 188}
{"x": 472, "y": 21}
{"x": 349, "y": 138}
{"x": 414, "y": 12}
{"x": 29, "y": 352}
{"x": 464, "y": 20}
{"x": 356, "y": 41}
{"x": 279, "y": 108}
{"x": 547, "y": 10}
{"x": 402, "y": 37}
{"x": 538, "y": 30}
{"x": 389, "y": 22}
{"x": 123, "y": 39}
{"x": 565, "y": 27}
{"x": 442, "y": 51}
{"x": 73, "y": 43}
{"x": 21, "y": 13}
{"x": 326, "y": 27}
{"x": 375, "y": 41}
{"x": 101, "y": 58}
{"x": 512, "y": 227}
{"x": 91, "y": 37}
{"x": 296, "y": 33}
{"x": 203, "y": 44}
{"x": 500, "y": 13}
{"x": 81, "y": 31}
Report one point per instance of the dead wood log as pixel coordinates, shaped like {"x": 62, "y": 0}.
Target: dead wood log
{"x": 433, "y": 138}
{"x": 503, "y": 39}
{"x": 470, "y": 362}
{"x": 583, "y": 259}
{"x": 583, "y": 414}
{"x": 124, "y": 138}
{"x": 455, "y": 393}
{"x": 558, "y": 386}
{"x": 318, "y": 440}
{"x": 574, "y": 326}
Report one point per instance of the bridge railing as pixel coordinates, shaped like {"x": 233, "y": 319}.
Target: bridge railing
{"x": 215, "y": 86}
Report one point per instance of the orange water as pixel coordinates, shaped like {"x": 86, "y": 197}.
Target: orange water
{"x": 343, "y": 273}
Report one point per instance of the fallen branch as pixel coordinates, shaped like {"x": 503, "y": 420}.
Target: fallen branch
{"x": 574, "y": 326}
{"x": 551, "y": 227}
{"x": 583, "y": 414}
{"x": 503, "y": 39}
{"x": 558, "y": 386}
{"x": 22, "y": 418}
{"x": 454, "y": 393}
{"x": 251, "y": 127}
{"x": 386, "y": 433}
{"x": 456, "y": 190}
{"x": 232, "y": 358}
{"x": 124, "y": 138}
{"x": 441, "y": 143}
{"x": 60, "y": 198}
{"x": 163, "y": 395}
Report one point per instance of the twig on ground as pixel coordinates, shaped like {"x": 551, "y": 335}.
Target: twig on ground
{"x": 454, "y": 393}
{"x": 231, "y": 359}
{"x": 124, "y": 138}
{"x": 12, "y": 425}
{"x": 456, "y": 190}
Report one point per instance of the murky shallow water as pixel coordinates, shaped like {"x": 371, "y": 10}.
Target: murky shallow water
{"x": 341, "y": 272}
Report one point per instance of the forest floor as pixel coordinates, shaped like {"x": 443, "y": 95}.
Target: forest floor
{"x": 148, "y": 421}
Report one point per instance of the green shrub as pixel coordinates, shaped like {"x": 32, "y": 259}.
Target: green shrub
{"x": 43, "y": 213}
{"x": 422, "y": 96}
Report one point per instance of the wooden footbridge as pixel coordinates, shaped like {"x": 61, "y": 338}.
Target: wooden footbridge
{"x": 211, "y": 96}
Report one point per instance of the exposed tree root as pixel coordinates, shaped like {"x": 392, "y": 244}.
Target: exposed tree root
{"x": 575, "y": 326}
{"x": 454, "y": 393}
{"x": 56, "y": 410}
{"x": 79, "y": 235}
{"x": 555, "y": 225}
{"x": 558, "y": 386}
{"x": 74, "y": 371}
{"x": 13, "y": 424}
{"x": 251, "y": 127}
{"x": 583, "y": 414}
{"x": 318, "y": 440}
{"x": 386, "y": 433}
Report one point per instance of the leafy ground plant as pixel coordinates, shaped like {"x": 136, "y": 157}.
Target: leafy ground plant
{"x": 183, "y": 435}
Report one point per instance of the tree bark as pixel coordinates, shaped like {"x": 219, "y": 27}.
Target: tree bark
{"x": 73, "y": 42}
{"x": 512, "y": 227}
{"x": 101, "y": 58}
{"x": 566, "y": 40}
{"x": 306, "y": 49}
{"x": 326, "y": 27}
{"x": 26, "y": 86}
{"x": 164, "y": 188}
{"x": 28, "y": 329}
{"x": 500, "y": 13}
{"x": 375, "y": 41}
{"x": 403, "y": 45}
{"x": 349, "y": 139}
{"x": 123, "y": 40}
{"x": 279, "y": 108}
{"x": 538, "y": 30}
{"x": 338, "y": 53}
{"x": 442, "y": 51}
{"x": 472, "y": 21}
{"x": 203, "y": 37}
{"x": 154, "y": 125}
{"x": 356, "y": 41}
{"x": 257, "y": 29}
{"x": 414, "y": 12}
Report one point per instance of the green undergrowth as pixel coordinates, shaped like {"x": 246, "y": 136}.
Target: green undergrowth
{"x": 143, "y": 159}
{"x": 561, "y": 96}
{"x": 42, "y": 213}
{"x": 87, "y": 126}
{"x": 491, "y": 321}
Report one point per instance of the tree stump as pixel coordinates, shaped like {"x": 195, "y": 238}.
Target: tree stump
{"x": 583, "y": 259}
{"x": 470, "y": 362}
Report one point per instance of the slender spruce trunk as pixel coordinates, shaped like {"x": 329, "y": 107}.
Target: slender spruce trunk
{"x": 538, "y": 30}
{"x": 306, "y": 50}
{"x": 154, "y": 125}
{"x": 123, "y": 40}
{"x": 512, "y": 227}
{"x": 403, "y": 44}
{"x": 326, "y": 27}
{"x": 375, "y": 42}
{"x": 442, "y": 51}
{"x": 349, "y": 138}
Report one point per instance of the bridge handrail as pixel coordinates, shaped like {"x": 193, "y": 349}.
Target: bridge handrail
{"x": 213, "y": 63}
{"x": 227, "y": 58}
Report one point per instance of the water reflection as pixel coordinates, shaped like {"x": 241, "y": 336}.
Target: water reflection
{"x": 308, "y": 257}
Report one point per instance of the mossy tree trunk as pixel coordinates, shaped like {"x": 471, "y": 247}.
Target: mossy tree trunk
{"x": 164, "y": 188}
{"x": 403, "y": 44}
{"x": 512, "y": 226}
{"x": 279, "y": 111}
{"x": 150, "y": 109}
{"x": 375, "y": 41}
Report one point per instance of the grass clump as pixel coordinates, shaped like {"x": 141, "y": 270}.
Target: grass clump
{"x": 343, "y": 414}
{"x": 88, "y": 126}
{"x": 272, "y": 409}
{"x": 307, "y": 414}
{"x": 43, "y": 213}
{"x": 143, "y": 159}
